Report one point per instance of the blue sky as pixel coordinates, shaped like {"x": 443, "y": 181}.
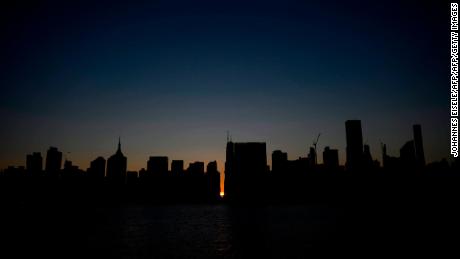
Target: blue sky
{"x": 171, "y": 77}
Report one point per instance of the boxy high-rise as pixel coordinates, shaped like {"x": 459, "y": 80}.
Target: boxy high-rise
{"x": 245, "y": 171}
{"x": 354, "y": 144}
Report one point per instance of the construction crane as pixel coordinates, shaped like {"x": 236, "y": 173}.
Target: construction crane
{"x": 315, "y": 142}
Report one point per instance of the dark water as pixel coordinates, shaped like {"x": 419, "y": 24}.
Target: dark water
{"x": 222, "y": 231}
{"x": 211, "y": 231}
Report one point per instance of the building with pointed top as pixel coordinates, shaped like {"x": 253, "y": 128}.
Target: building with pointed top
{"x": 116, "y": 167}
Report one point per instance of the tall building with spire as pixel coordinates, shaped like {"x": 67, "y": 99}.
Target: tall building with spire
{"x": 116, "y": 166}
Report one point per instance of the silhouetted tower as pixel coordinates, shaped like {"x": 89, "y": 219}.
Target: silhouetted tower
{"x": 177, "y": 167}
{"x": 53, "y": 161}
{"x": 354, "y": 144}
{"x": 367, "y": 157}
{"x": 211, "y": 167}
{"x": 279, "y": 161}
{"x": 246, "y": 171}
{"x": 418, "y": 142}
{"x": 390, "y": 163}
{"x": 331, "y": 158}
{"x": 196, "y": 168}
{"x": 116, "y": 166}
{"x": 229, "y": 157}
{"x": 34, "y": 163}
{"x": 97, "y": 168}
{"x": 158, "y": 165}
{"x": 407, "y": 155}
{"x": 213, "y": 176}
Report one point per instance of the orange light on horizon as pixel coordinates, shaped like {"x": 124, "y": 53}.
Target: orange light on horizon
{"x": 222, "y": 194}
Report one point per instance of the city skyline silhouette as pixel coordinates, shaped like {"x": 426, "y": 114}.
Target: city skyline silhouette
{"x": 228, "y": 129}
{"x": 319, "y": 158}
{"x": 169, "y": 78}
{"x": 246, "y": 170}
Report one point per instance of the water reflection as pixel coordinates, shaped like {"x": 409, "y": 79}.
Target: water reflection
{"x": 221, "y": 231}
{"x": 205, "y": 231}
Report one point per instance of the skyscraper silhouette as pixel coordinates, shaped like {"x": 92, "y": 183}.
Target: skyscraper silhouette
{"x": 157, "y": 165}
{"x": 367, "y": 161}
{"x": 229, "y": 154}
{"x": 116, "y": 166}
{"x": 34, "y": 163}
{"x": 196, "y": 168}
{"x": 177, "y": 167}
{"x": 97, "y": 168}
{"x": 331, "y": 158}
{"x": 279, "y": 161}
{"x": 407, "y": 155}
{"x": 246, "y": 171}
{"x": 53, "y": 161}
{"x": 418, "y": 142}
{"x": 354, "y": 144}
{"x": 213, "y": 180}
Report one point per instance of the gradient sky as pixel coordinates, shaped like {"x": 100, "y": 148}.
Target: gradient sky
{"x": 172, "y": 77}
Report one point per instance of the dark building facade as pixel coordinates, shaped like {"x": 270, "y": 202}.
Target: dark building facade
{"x": 177, "y": 167}
{"x": 246, "y": 171}
{"x": 354, "y": 148}
{"x": 196, "y": 168}
{"x": 213, "y": 180}
{"x": 418, "y": 142}
{"x": 367, "y": 161}
{"x": 229, "y": 157}
{"x": 157, "y": 165}
{"x": 97, "y": 168}
{"x": 407, "y": 155}
{"x": 389, "y": 163}
{"x": 116, "y": 167}
{"x": 331, "y": 158}
{"x": 71, "y": 172}
{"x": 279, "y": 161}
{"x": 53, "y": 161}
{"x": 34, "y": 163}
{"x": 412, "y": 156}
